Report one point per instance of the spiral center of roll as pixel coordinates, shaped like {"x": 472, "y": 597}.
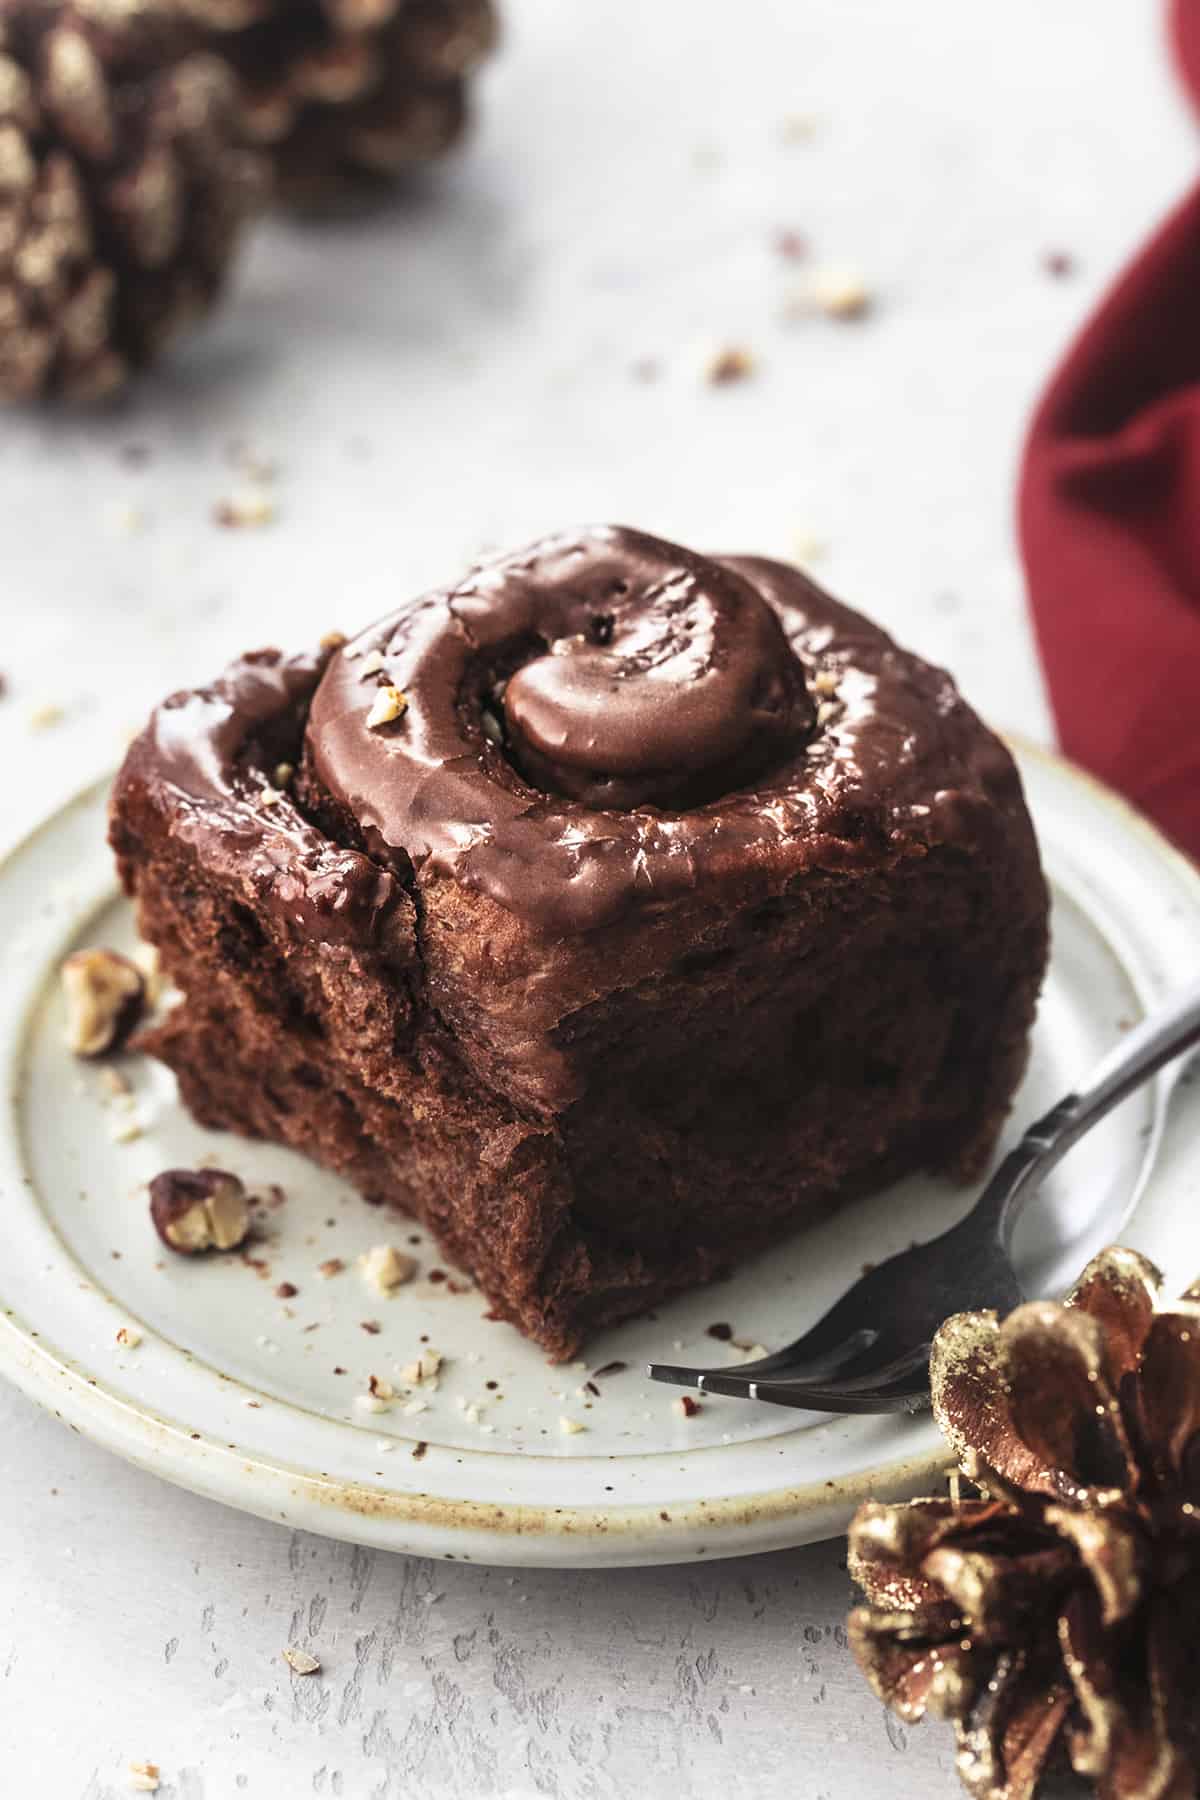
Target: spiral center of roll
{"x": 666, "y": 684}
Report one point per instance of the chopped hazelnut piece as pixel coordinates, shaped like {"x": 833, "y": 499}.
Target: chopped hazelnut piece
{"x": 389, "y": 705}
{"x": 372, "y": 1403}
{"x": 148, "y": 959}
{"x": 570, "y": 1427}
{"x": 105, "y": 997}
{"x": 195, "y": 1210}
{"x": 840, "y": 293}
{"x": 424, "y": 1368}
{"x": 371, "y": 663}
{"x": 807, "y": 548}
{"x": 129, "y": 1337}
{"x": 42, "y": 717}
{"x": 731, "y": 363}
{"x": 144, "y": 1777}
{"x": 301, "y": 1662}
{"x": 333, "y": 640}
{"x": 385, "y": 1268}
{"x": 246, "y": 510}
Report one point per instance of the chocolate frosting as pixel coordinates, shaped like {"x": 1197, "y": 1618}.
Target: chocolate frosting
{"x": 215, "y": 751}
{"x": 606, "y": 719}
{"x": 599, "y": 723}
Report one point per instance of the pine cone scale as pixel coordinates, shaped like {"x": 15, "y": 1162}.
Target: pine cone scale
{"x": 75, "y": 94}
{"x": 1067, "y": 1603}
{"x": 346, "y": 90}
{"x": 123, "y": 180}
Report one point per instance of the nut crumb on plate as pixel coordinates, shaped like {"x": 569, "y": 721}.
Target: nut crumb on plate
{"x": 423, "y": 1369}
{"x": 570, "y": 1427}
{"x": 301, "y": 1662}
{"x": 129, "y": 1337}
{"x": 333, "y": 1265}
{"x": 144, "y": 1777}
{"x": 385, "y": 1268}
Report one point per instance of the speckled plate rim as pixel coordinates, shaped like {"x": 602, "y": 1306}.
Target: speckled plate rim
{"x": 422, "y": 1522}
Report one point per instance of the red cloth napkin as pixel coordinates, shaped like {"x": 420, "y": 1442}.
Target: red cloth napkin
{"x": 1110, "y": 522}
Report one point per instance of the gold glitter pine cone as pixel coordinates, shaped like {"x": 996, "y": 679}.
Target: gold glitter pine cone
{"x": 1056, "y": 1617}
{"x": 123, "y": 185}
{"x": 343, "y": 92}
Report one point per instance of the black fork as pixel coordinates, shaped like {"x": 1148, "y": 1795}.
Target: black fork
{"x": 870, "y": 1352}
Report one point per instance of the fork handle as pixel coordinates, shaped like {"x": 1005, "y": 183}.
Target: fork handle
{"x": 1167, "y": 1033}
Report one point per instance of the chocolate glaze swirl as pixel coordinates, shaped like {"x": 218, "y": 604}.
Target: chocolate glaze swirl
{"x": 656, "y": 677}
{"x": 606, "y": 720}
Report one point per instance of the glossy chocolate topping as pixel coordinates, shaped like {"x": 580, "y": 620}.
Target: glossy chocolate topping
{"x": 654, "y": 677}
{"x": 216, "y": 751}
{"x": 601, "y": 722}
{"x": 606, "y": 720}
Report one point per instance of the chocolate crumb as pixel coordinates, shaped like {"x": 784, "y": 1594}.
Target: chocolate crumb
{"x": 372, "y": 1327}
{"x": 722, "y": 1332}
{"x": 591, "y": 1388}
{"x": 612, "y": 1368}
{"x": 687, "y": 1406}
{"x": 438, "y": 1275}
{"x": 791, "y": 245}
{"x": 1059, "y": 264}
{"x": 286, "y": 1291}
{"x": 419, "y": 1450}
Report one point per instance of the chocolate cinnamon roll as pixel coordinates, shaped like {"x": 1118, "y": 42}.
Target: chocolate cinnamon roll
{"x": 613, "y": 911}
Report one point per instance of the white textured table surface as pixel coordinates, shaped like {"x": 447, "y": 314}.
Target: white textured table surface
{"x": 459, "y": 372}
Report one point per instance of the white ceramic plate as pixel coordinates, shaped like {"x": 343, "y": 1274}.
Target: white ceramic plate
{"x": 250, "y": 1399}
